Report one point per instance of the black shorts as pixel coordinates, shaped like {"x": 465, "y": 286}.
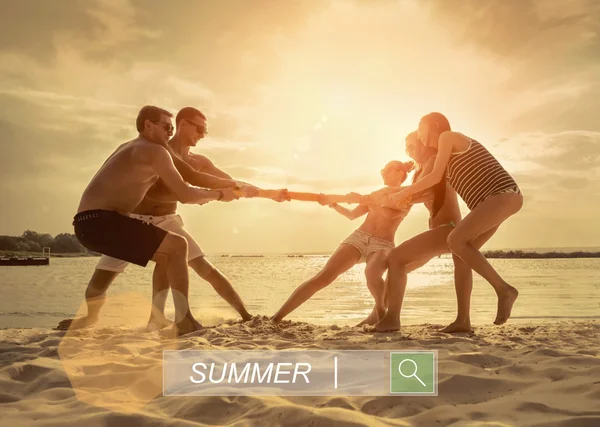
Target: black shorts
{"x": 118, "y": 236}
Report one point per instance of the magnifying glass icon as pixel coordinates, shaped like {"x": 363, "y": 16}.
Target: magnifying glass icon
{"x": 414, "y": 374}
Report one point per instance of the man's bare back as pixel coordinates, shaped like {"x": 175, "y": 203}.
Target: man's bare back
{"x": 124, "y": 179}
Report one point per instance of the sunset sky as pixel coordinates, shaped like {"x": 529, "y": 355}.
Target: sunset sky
{"x": 307, "y": 95}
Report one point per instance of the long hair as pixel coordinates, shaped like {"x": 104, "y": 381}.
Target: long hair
{"x": 439, "y": 196}
{"x": 439, "y": 189}
{"x": 428, "y": 153}
{"x": 436, "y": 122}
{"x": 441, "y": 124}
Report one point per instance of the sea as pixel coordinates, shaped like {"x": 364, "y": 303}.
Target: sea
{"x": 550, "y": 290}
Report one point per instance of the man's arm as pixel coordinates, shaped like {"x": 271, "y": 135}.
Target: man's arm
{"x": 203, "y": 164}
{"x": 164, "y": 166}
{"x": 200, "y": 179}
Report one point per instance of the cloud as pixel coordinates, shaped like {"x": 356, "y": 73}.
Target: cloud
{"x": 575, "y": 110}
{"x": 575, "y": 183}
{"x": 74, "y": 74}
{"x": 559, "y": 176}
{"x": 56, "y": 157}
{"x": 33, "y": 34}
{"x": 222, "y": 47}
{"x": 48, "y": 114}
{"x": 568, "y": 152}
{"x": 548, "y": 48}
{"x": 86, "y": 67}
{"x": 275, "y": 177}
{"x": 118, "y": 25}
{"x": 527, "y": 30}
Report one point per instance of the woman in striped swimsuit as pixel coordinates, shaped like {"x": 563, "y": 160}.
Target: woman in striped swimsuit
{"x": 490, "y": 193}
{"x": 415, "y": 252}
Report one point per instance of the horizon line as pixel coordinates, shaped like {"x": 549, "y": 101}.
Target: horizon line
{"x": 548, "y": 248}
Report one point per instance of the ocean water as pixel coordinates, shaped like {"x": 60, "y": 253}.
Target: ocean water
{"x": 550, "y": 290}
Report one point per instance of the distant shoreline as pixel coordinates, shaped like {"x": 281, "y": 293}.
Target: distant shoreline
{"x": 494, "y": 254}
{"x": 10, "y": 254}
{"x": 506, "y": 254}
{"x": 539, "y": 255}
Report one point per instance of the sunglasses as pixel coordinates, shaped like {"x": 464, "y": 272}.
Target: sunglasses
{"x": 166, "y": 126}
{"x": 200, "y": 129}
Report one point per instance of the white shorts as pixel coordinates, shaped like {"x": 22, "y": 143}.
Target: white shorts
{"x": 172, "y": 223}
{"x": 367, "y": 244}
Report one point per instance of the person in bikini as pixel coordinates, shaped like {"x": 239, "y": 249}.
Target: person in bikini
{"x": 370, "y": 243}
{"x": 491, "y": 194}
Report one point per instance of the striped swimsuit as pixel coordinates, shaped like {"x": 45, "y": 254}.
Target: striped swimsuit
{"x": 476, "y": 175}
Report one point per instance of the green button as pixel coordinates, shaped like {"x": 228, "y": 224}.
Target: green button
{"x": 413, "y": 372}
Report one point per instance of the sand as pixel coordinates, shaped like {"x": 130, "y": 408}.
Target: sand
{"x": 537, "y": 374}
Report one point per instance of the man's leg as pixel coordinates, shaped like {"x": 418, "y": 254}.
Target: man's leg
{"x": 95, "y": 296}
{"x": 221, "y": 285}
{"x": 172, "y": 253}
{"x": 160, "y": 291}
{"x": 203, "y": 268}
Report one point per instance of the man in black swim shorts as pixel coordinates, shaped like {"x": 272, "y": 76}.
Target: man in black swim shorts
{"x": 102, "y": 223}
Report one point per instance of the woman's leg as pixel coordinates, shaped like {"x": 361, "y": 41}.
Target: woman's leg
{"x": 404, "y": 258}
{"x": 342, "y": 260}
{"x": 376, "y": 266}
{"x": 489, "y": 214}
{"x": 463, "y": 283}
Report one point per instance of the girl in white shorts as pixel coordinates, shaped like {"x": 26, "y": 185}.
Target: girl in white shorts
{"x": 370, "y": 243}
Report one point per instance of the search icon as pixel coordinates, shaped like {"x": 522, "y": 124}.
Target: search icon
{"x": 414, "y": 374}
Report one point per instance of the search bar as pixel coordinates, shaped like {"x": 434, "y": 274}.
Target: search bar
{"x": 298, "y": 373}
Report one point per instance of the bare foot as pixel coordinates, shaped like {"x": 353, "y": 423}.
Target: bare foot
{"x": 78, "y": 323}
{"x": 275, "y": 319}
{"x": 158, "y": 323}
{"x": 458, "y": 326}
{"x": 373, "y": 318}
{"x": 246, "y": 316}
{"x": 387, "y": 324}
{"x": 370, "y": 320}
{"x": 505, "y": 304}
{"x": 186, "y": 326}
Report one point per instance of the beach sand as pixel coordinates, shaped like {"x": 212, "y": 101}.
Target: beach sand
{"x": 537, "y": 374}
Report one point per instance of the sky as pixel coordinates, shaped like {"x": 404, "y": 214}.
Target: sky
{"x": 305, "y": 95}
